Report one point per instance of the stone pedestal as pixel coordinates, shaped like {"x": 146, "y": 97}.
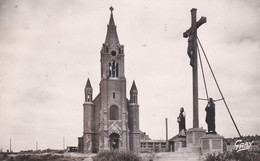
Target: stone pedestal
{"x": 211, "y": 143}
{"x": 193, "y": 137}
{"x": 180, "y": 142}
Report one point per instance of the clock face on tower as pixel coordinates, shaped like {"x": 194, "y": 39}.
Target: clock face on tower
{"x": 113, "y": 53}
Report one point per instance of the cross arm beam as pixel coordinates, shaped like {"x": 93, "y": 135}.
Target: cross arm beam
{"x": 198, "y": 24}
{"x": 201, "y": 22}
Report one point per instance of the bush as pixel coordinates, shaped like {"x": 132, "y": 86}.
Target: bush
{"x": 35, "y": 157}
{"x": 234, "y": 156}
{"x": 116, "y": 156}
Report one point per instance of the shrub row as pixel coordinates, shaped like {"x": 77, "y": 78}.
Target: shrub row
{"x": 234, "y": 156}
{"x": 116, "y": 156}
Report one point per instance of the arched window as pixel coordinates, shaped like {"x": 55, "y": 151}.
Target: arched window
{"x": 88, "y": 98}
{"x": 113, "y": 69}
{"x": 114, "y": 94}
{"x": 116, "y": 70}
{"x": 133, "y": 99}
{"x": 114, "y": 113}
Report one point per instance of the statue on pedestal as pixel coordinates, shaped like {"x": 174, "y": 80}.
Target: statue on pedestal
{"x": 210, "y": 116}
{"x": 181, "y": 121}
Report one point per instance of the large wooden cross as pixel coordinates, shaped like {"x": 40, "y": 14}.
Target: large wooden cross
{"x": 191, "y": 34}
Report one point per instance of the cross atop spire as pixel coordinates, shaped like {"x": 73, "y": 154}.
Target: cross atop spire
{"x": 111, "y": 37}
{"x": 111, "y": 21}
{"x": 111, "y": 9}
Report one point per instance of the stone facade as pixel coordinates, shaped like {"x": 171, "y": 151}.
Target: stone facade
{"x": 212, "y": 143}
{"x": 180, "y": 142}
{"x": 193, "y": 136}
{"x": 111, "y": 121}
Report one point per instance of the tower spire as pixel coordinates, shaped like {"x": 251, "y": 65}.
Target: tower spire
{"x": 88, "y": 92}
{"x": 88, "y": 85}
{"x": 133, "y": 94}
{"x": 111, "y": 37}
{"x": 133, "y": 88}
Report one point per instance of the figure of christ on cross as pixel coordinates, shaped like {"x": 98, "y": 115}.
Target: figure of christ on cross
{"x": 191, "y": 34}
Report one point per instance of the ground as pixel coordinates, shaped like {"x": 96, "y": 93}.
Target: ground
{"x": 65, "y": 156}
{"x": 50, "y": 156}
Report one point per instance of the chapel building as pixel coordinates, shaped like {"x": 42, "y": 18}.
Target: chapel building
{"x": 111, "y": 120}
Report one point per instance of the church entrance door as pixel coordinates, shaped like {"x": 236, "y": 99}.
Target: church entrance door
{"x": 114, "y": 141}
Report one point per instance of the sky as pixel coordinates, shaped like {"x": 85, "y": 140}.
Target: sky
{"x": 49, "y": 48}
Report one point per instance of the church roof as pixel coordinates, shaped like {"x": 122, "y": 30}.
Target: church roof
{"x": 133, "y": 88}
{"x": 112, "y": 37}
{"x": 88, "y": 85}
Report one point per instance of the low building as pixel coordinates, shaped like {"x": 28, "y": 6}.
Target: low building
{"x": 149, "y": 145}
{"x": 72, "y": 149}
{"x": 153, "y": 146}
{"x": 171, "y": 143}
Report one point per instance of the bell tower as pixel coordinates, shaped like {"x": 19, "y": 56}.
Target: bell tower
{"x": 133, "y": 109}
{"x": 111, "y": 121}
{"x": 88, "y": 120}
{"x": 112, "y": 53}
{"x": 113, "y": 130}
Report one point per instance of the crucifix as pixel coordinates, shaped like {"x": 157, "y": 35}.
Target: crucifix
{"x": 191, "y": 34}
